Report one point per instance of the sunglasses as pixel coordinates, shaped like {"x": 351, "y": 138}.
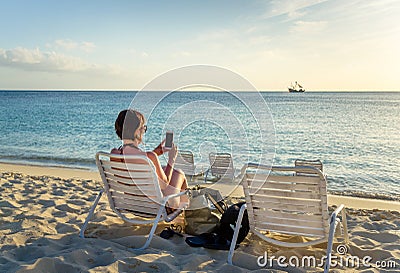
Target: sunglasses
{"x": 145, "y": 128}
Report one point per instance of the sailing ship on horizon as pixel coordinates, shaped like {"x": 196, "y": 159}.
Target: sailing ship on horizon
{"x": 296, "y": 88}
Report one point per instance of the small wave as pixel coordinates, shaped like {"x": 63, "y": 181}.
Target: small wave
{"x": 50, "y": 161}
{"x": 370, "y": 195}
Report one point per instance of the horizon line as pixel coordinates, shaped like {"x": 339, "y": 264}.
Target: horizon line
{"x": 132, "y": 90}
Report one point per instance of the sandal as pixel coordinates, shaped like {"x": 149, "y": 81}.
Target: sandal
{"x": 171, "y": 231}
{"x": 201, "y": 240}
{"x": 209, "y": 240}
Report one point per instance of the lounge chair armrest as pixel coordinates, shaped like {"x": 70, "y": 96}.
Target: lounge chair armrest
{"x": 174, "y": 214}
{"x": 336, "y": 212}
{"x": 341, "y": 209}
{"x": 238, "y": 178}
{"x": 166, "y": 198}
{"x": 243, "y": 169}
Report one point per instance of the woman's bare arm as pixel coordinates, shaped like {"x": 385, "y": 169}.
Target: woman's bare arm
{"x": 164, "y": 176}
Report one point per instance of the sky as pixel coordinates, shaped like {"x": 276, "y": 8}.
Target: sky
{"x": 326, "y": 45}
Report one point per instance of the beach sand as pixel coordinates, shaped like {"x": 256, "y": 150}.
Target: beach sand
{"x": 42, "y": 210}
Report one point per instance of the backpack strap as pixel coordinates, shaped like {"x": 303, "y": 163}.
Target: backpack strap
{"x": 215, "y": 203}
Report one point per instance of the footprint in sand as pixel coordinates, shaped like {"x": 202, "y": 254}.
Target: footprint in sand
{"x": 47, "y": 203}
{"x": 28, "y": 253}
{"x": 77, "y": 202}
{"x": 6, "y": 204}
{"x": 64, "y": 228}
{"x": 67, "y": 208}
{"x": 382, "y": 237}
{"x": 47, "y": 264}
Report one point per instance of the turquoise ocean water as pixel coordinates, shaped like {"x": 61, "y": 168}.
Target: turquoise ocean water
{"x": 355, "y": 135}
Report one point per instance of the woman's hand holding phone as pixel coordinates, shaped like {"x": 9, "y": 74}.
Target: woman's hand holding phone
{"x": 172, "y": 153}
{"x": 159, "y": 150}
{"x": 167, "y": 145}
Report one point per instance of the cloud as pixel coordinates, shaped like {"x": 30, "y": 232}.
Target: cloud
{"x": 293, "y": 9}
{"x": 87, "y": 46}
{"x": 50, "y": 61}
{"x": 69, "y": 45}
{"x": 308, "y": 26}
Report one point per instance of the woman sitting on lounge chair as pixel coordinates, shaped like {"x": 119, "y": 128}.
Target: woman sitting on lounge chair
{"x": 130, "y": 127}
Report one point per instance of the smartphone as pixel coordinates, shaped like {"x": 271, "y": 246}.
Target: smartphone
{"x": 169, "y": 139}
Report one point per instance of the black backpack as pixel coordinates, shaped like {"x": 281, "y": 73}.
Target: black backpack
{"x": 228, "y": 220}
{"x": 222, "y": 237}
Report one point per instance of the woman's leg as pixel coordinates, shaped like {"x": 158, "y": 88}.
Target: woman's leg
{"x": 177, "y": 184}
{"x": 178, "y": 180}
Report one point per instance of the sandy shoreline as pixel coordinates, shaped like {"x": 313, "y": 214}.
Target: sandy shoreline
{"x": 42, "y": 210}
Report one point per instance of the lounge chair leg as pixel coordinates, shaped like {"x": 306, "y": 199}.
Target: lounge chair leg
{"x": 344, "y": 220}
{"x": 205, "y": 176}
{"x": 236, "y": 233}
{"x": 153, "y": 229}
{"x": 332, "y": 228}
{"x": 96, "y": 201}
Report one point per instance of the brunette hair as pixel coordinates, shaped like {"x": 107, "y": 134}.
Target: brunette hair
{"x": 127, "y": 122}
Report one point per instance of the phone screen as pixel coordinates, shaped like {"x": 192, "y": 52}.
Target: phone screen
{"x": 169, "y": 139}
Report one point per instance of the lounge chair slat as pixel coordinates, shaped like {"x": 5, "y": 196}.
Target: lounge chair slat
{"x": 285, "y": 200}
{"x": 186, "y": 169}
{"x": 284, "y": 178}
{"x": 122, "y": 204}
{"x": 140, "y": 201}
{"x": 290, "y": 221}
{"x": 266, "y": 214}
{"x": 287, "y": 229}
{"x": 185, "y": 157}
{"x": 134, "y": 189}
{"x": 130, "y": 174}
{"x": 126, "y": 176}
{"x": 290, "y": 186}
{"x": 125, "y": 180}
{"x": 130, "y": 180}
{"x": 142, "y": 166}
{"x": 223, "y": 173}
{"x": 297, "y": 233}
{"x": 307, "y": 207}
{"x": 223, "y": 162}
{"x": 152, "y": 198}
{"x": 265, "y": 194}
{"x": 138, "y": 213}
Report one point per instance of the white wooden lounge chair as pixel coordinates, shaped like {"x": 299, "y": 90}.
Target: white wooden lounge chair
{"x": 132, "y": 190}
{"x": 221, "y": 167}
{"x": 288, "y": 204}
{"x": 309, "y": 163}
{"x": 185, "y": 162}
